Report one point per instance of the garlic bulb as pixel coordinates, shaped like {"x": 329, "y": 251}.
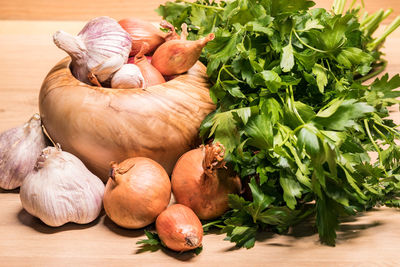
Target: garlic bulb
{"x": 61, "y": 189}
{"x": 19, "y": 150}
{"x": 101, "y": 48}
{"x": 128, "y": 76}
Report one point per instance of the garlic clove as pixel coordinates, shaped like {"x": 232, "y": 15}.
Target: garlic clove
{"x": 76, "y": 49}
{"x": 19, "y": 149}
{"x": 61, "y": 189}
{"x": 111, "y": 65}
{"x": 128, "y": 76}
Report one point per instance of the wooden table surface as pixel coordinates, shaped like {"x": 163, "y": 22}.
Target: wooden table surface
{"x": 26, "y": 55}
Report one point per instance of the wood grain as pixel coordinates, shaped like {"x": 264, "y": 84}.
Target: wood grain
{"x": 369, "y": 239}
{"x": 27, "y": 54}
{"x": 100, "y": 125}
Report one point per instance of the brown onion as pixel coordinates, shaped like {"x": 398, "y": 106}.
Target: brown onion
{"x": 137, "y": 191}
{"x": 142, "y": 31}
{"x": 201, "y": 181}
{"x": 178, "y": 56}
{"x": 151, "y": 75}
{"x": 179, "y": 228}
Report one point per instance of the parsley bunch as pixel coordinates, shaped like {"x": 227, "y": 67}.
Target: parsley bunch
{"x": 293, "y": 113}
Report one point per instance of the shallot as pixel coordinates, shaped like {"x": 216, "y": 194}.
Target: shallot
{"x": 201, "y": 181}
{"x": 143, "y": 31}
{"x": 137, "y": 191}
{"x": 178, "y": 56}
{"x": 151, "y": 75}
{"x": 179, "y": 228}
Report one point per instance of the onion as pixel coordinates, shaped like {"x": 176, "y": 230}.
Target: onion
{"x": 177, "y": 56}
{"x": 151, "y": 75}
{"x": 137, "y": 191}
{"x": 179, "y": 228}
{"x": 142, "y": 31}
{"x": 201, "y": 181}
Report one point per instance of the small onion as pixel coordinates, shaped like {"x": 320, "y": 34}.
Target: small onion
{"x": 151, "y": 75}
{"x": 179, "y": 228}
{"x": 178, "y": 56}
{"x": 201, "y": 181}
{"x": 137, "y": 191}
{"x": 143, "y": 31}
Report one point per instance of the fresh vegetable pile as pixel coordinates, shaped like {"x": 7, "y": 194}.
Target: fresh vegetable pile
{"x": 293, "y": 111}
{"x": 292, "y": 137}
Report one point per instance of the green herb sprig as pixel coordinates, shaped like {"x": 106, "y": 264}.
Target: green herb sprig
{"x": 292, "y": 111}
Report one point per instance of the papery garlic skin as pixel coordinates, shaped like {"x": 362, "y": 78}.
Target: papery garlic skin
{"x": 61, "y": 189}
{"x": 128, "y": 76}
{"x": 101, "y": 48}
{"x": 19, "y": 149}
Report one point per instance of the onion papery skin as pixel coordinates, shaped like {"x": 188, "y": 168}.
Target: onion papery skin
{"x": 138, "y": 192}
{"x": 179, "y": 228}
{"x": 142, "y": 31}
{"x": 100, "y": 125}
{"x": 178, "y": 56}
{"x": 206, "y": 195}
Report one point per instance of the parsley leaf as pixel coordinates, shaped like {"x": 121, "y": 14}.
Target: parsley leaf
{"x": 297, "y": 121}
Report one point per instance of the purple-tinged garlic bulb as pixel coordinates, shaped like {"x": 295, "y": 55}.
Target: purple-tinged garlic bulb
{"x": 61, "y": 189}
{"x": 19, "y": 149}
{"x": 100, "y": 49}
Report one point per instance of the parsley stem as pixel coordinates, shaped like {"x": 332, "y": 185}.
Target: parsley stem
{"x": 307, "y": 45}
{"x": 230, "y": 74}
{"x": 387, "y": 13}
{"x": 374, "y": 143}
{"x": 387, "y": 128}
{"x": 364, "y": 17}
{"x": 338, "y": 6}
{"x": 373, "y": 24}
{"x": 293, "y": 107}
{"x": 352, "y": 4}
{"x": 204, "y": 6}
{"x": 389, "y": 29}
{"x": 374, "y": 73}
{"x": 381, "y": 134}
{"x": 332, "y": 73}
